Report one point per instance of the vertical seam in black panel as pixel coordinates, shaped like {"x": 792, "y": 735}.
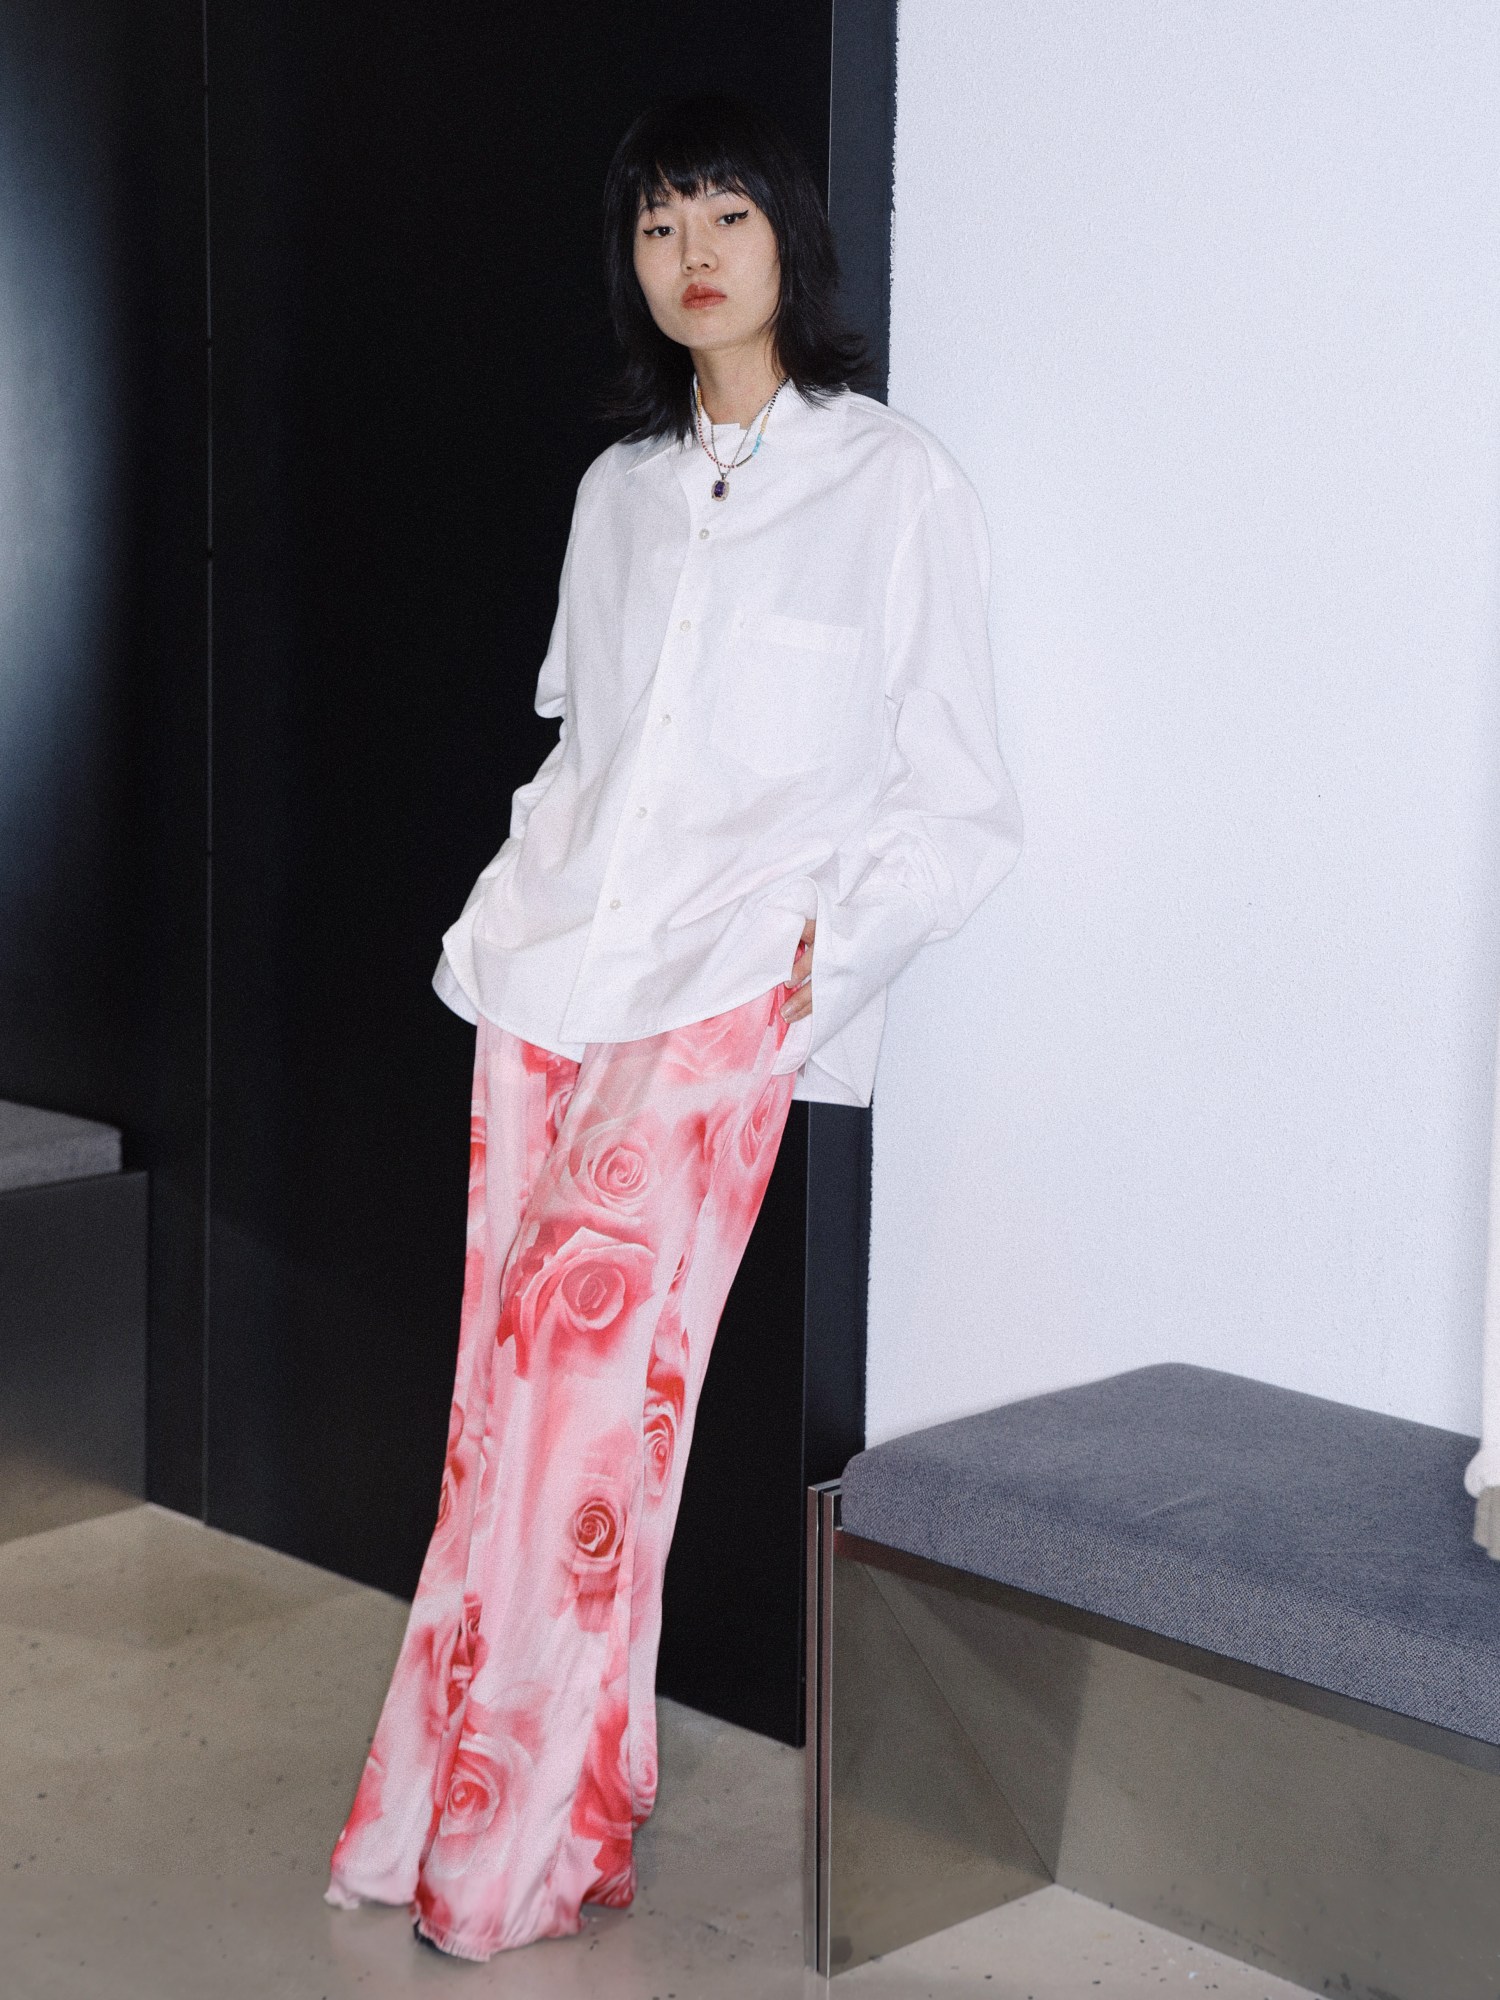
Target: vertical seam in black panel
{"x": 861, "y": 166}
{"x": 861, "y": 204}
{"x": 833, "y": 77}
{"x": 208, "y": 788}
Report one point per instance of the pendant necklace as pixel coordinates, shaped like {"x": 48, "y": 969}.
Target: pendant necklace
{"x": 720, "y": 488}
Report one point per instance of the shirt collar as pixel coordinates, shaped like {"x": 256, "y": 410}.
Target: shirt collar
{"x": 793, "y": 418}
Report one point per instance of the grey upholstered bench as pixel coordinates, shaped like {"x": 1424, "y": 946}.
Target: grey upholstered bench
{"x": 41, "y": 1148}
{"x": 1219, "y": 1654}
{"x": 72, "y": 1320}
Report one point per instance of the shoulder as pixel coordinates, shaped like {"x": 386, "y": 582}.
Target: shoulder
{"x": 925, "y": 491}
{"x": 916, "y": 476}
{"x": 603, "y": 490}
{"x": 900, "y": 443}
{"x": 612, "y": 464}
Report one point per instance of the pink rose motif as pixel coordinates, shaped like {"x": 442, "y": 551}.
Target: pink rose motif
{"x": 559, "y": 1072}
{"x": 473, "y": 1645}
{"x": 438, "y": 1643}
{"x": 743, "y": 1143}
{"x": 614, "y": 1879}
{"x": 415, "y": 1717}
{"x": 660, "y": 1437}
{"x": 414, "y": 1720}
{"x": 746, "y": 1140}
{"x": 469, "y": 1651}
{"x": 490, "y": 1776}
{"x": 598, "y": 1536}
{"x": 643, "y": 1783}
{"x": 464, "y": 1661}
{"x": 454, "y": 1472}
{"x": 601, "y": 1805}
{"x": 761, "y": 1132}
{"x": 669, "y": 1344}
{"x": 666, "y": 1392}
{"x": 575, "y": 1299}
{"x": 487, "y": 1781}
{"x": 593, "y": 1535}
{"x": 723, "y": 1045}
{"x": 553, "y": 1079}
{"x": 613, "y": 1165}
{"x": 475, "y": 1788}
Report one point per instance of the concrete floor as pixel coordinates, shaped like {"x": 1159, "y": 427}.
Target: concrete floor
{"x": 183, "y": 1720}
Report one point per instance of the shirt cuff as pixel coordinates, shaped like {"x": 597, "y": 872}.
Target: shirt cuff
{"x": 860, "y": 946}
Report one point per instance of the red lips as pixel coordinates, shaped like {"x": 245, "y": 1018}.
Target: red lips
{"x": 701, "y": 295}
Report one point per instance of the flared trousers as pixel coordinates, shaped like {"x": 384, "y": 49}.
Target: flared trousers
{"x": 610, "y": 1201}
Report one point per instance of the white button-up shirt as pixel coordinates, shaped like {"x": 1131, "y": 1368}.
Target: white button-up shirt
{"x": 774, "y": 706}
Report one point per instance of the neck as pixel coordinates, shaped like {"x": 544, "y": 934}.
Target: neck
{"x": 735, "y": 383}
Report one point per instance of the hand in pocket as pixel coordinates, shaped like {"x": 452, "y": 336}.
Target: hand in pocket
{"x": 799, "y": 1006}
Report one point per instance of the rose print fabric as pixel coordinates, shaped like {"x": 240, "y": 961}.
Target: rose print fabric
{"x": 610, "y": 1200}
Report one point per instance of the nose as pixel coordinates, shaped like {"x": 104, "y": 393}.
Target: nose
{"x": 697, "y": 248}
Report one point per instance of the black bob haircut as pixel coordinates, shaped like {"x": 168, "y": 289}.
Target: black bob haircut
{"x": 689, "y": 145}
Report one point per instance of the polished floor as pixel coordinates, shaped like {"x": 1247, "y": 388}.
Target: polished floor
{"x": 184, "y": 1715}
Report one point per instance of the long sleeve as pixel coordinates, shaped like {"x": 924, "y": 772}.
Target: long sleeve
{"x": 947, "y": 824}
{"x": 454, "y": 983}
{"x": 551, "y": 692}
{"x": 524, "y": 797}
{"x": 551, "y": 700}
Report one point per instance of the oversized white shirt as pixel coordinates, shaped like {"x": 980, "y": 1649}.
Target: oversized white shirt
{"x": 774, "y": 706}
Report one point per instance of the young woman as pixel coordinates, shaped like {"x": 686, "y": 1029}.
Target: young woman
{"x": 776, "y": 777}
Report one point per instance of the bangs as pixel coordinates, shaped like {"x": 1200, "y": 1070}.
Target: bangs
{"x": 685, "y": 151}
{"x": 654, "y": 186}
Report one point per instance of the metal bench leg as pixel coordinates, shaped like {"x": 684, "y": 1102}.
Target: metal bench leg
{"x": 908, "y": 1827}
{"x": 822, "y": 1514}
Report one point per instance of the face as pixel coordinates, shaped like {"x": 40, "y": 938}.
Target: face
{"x": 708, "y": 266}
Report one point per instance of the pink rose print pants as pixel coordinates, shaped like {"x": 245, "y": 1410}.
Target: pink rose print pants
{"x": 610, "y": 1201}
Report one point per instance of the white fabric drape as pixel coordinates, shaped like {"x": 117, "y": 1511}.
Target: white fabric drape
{"x": 1482, "y": 1476}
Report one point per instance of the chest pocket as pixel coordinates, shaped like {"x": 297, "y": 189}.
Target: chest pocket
{"x": 783, "y": 692}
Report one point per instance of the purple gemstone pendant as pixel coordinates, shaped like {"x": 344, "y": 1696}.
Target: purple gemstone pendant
{"x": 720, "y": 488}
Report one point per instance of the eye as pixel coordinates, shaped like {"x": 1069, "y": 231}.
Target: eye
{"x": 734, "y": 215}
{"x": 657, "y": 229}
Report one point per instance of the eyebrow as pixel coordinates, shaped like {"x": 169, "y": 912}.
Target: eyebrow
{"x": 708, "y": 194}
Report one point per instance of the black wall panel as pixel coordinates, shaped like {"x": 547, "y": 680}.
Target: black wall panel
{"x": 409, "y": 336}
{"x": 102, "y": 618}
{"x": 268, "y": 644}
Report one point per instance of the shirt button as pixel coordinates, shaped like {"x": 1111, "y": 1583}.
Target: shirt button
{"x": 640, "y": 812}
{"x": 614, "y": 902}
{"x": 686, "y": 625}
{"x": 703, "y": 534}
{"x": 666, "y": 719}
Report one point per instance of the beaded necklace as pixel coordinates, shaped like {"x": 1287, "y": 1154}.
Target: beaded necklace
{"x": 720, "y": 487}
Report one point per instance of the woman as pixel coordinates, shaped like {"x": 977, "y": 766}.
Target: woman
{"x": 776, "y": 777}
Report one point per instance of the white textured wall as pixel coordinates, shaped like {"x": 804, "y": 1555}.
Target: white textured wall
{"x": 1206, "y": 298}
